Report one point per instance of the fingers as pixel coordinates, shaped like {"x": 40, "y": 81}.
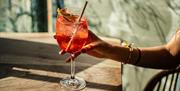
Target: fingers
{"x": 93, "y": 37}
{"x": 92, "y": 42}
{"x": 90, "y": 47}
{"x": 54, "y": 36}
{"x": 86, "y": 48}
{"x": 83, "y": 50}
{"x": 73, "y": 57}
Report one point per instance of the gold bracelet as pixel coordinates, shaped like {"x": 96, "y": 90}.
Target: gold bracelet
{"x": 130, "y": 55}
{"x": 139, "y": 57}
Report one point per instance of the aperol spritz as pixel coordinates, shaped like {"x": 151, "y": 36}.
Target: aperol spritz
{"x": 71, "y": 35}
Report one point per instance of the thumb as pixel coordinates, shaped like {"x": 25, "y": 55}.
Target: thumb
{"x": 90, "y": 46}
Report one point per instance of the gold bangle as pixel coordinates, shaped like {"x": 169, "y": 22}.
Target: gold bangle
{"x": 130, "y": 55}
{"x": 139, "y": 57}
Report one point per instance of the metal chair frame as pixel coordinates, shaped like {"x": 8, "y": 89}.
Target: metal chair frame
{"x": 157, "y": 80}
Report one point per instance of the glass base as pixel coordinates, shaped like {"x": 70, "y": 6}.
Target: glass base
{"x": 73, "y": 84}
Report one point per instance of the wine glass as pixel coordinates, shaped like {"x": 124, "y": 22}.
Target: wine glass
{"x": 71, "y": 36}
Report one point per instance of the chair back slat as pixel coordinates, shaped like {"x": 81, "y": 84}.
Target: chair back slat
{"x": 172, "y": 78}
{"x": 176, "y": 79}
{"x": 166, "y": 78}
{"x": 159, "y": 85}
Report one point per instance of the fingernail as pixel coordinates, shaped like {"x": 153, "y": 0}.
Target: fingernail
{"x": 54, "y": 36}
{"x": 83, "y": 50}
{"x": 68, "y": 60}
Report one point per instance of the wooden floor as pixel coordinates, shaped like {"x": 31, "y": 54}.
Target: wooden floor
{"x": 30, "y": 62}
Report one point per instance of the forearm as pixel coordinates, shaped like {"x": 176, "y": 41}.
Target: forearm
{"x": 152, "y": 57}
{"x": 121, "y": 54}
{"x": 117, "y": 53}
{"x": 157, "y": 57}
{"x": 160, "y": 57}
{"x": 163, "y": 57}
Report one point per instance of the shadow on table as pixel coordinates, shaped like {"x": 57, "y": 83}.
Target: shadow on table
{"x": 10, "y": 48}
{"x": 36, "y": 55}
{"x": 6, "y": 71}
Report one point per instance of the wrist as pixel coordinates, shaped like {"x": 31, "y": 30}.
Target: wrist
{"x": 117, "y": 53}
{"x": 108, "y": 50}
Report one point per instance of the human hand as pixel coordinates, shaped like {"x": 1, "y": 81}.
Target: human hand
{"x": 94, "y": 47}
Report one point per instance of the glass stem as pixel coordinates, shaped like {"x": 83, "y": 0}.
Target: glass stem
{"x": 72, "y": 67}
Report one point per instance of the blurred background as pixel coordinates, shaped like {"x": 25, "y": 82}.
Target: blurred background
{"x": 142, "y": 22}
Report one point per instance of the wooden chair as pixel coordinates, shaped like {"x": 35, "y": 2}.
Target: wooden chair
{"x": 164, "y": 81}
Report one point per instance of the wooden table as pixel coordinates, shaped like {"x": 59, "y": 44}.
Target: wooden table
{"x": 30, "y": 62}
